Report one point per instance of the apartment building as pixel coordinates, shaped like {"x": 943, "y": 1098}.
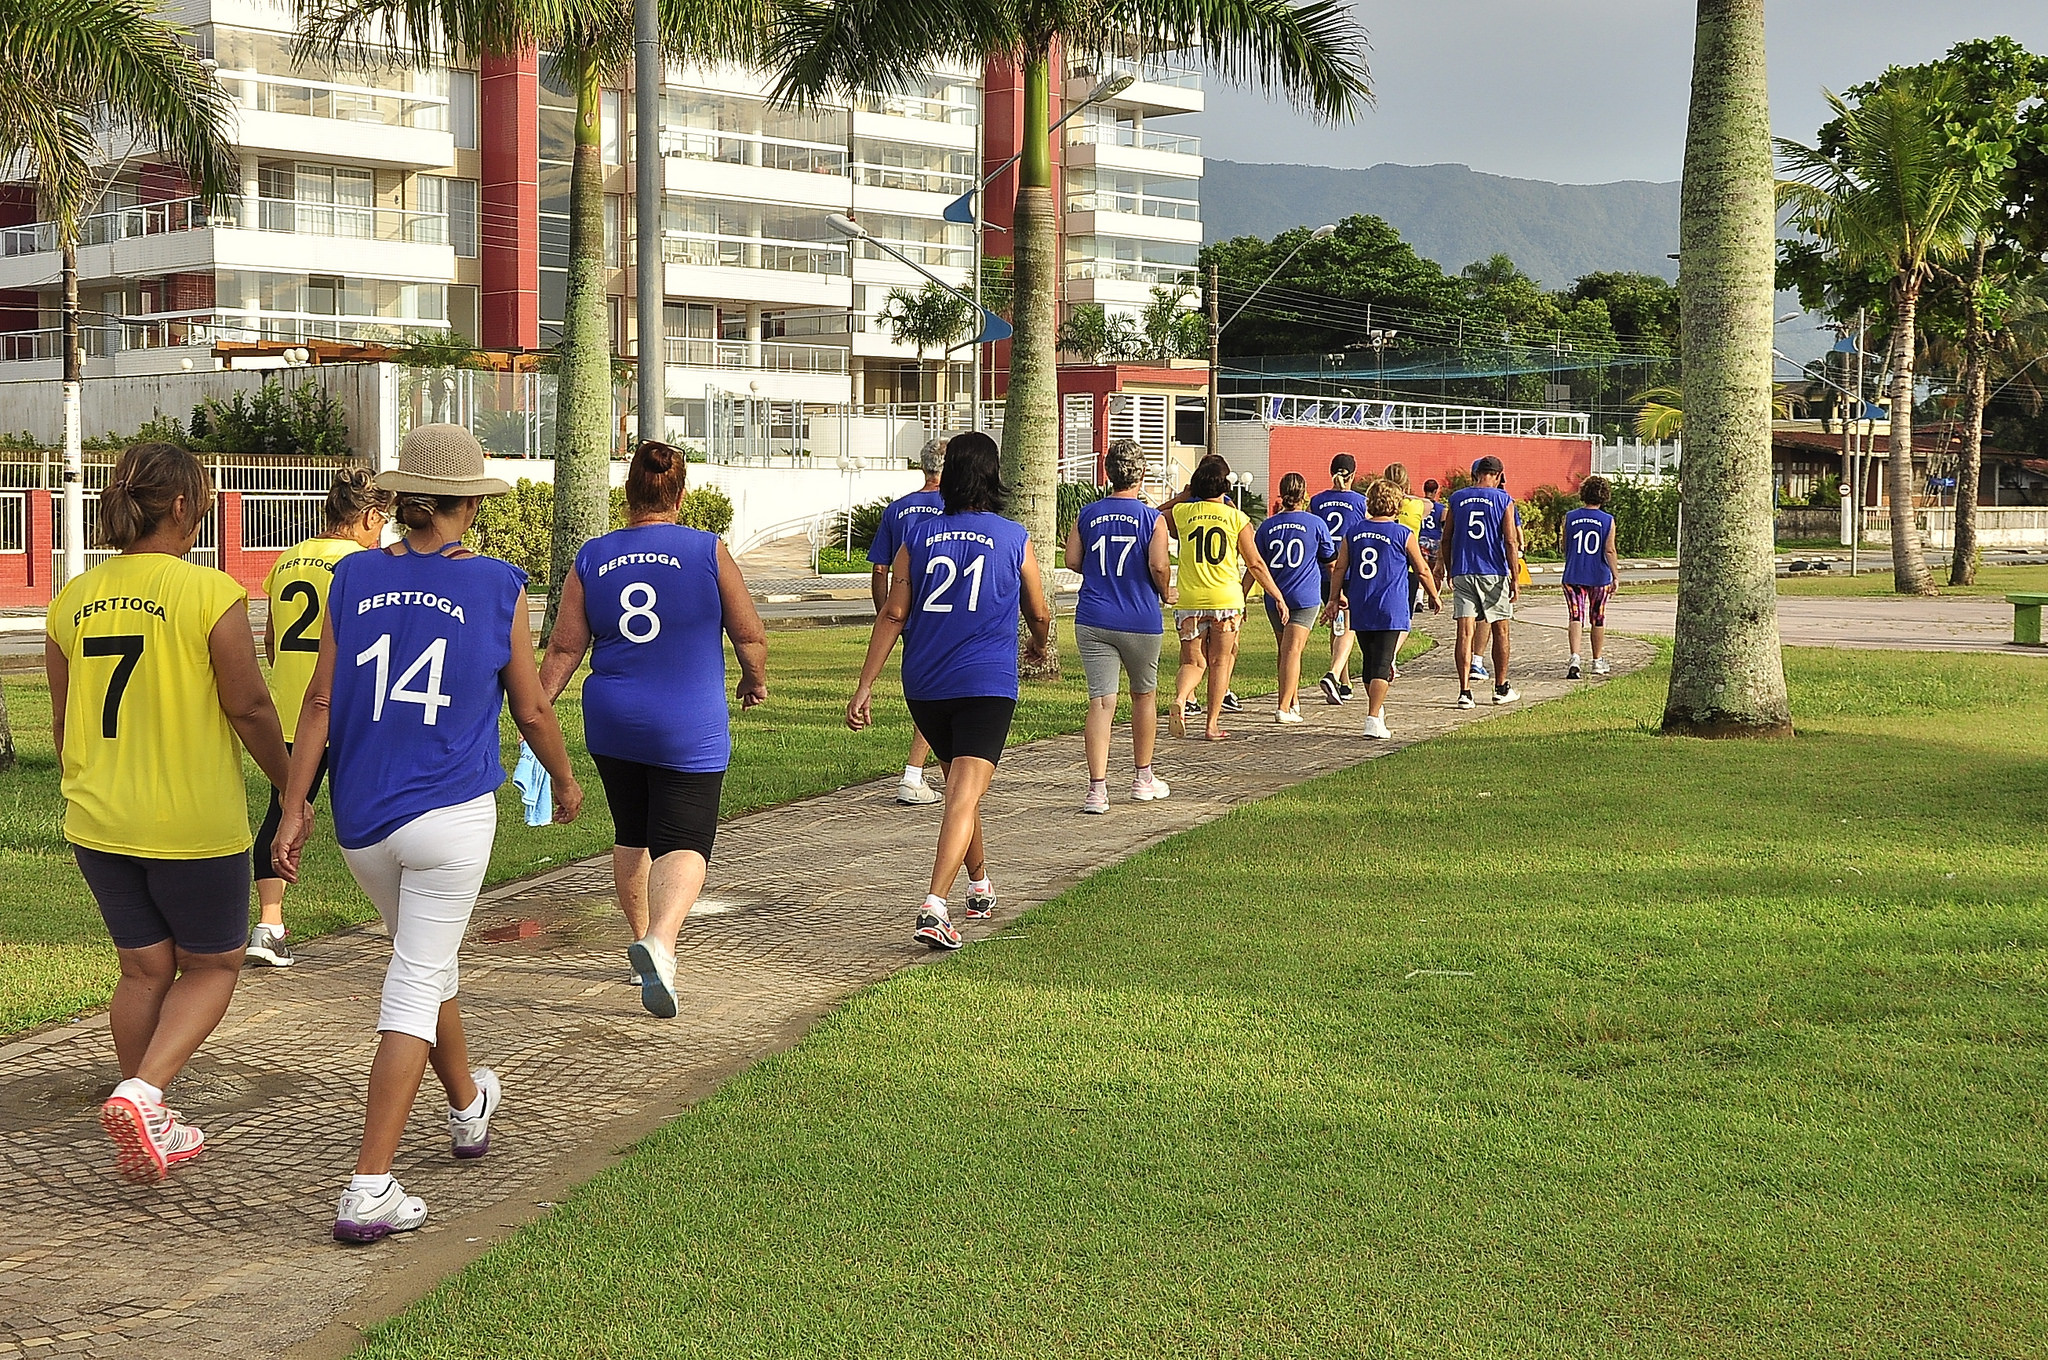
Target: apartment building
{"x": 380, "y": 202}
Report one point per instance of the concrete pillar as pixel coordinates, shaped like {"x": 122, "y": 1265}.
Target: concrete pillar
{"x": 252, "y": 184}
{"x": 753, "y": 335}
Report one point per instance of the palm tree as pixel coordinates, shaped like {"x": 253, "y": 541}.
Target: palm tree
{"x": 587, "y": 42}
{"x": 1170, "y": 328}
{"x": 1660, "y": 413}
{"x": 1095, "y": 335}
{"x": 930, "y": 318}
{"x": 71, "y": 70}
{"x": 1727, "y": 674}
{"x": 1894, "y": 186}
{"x": 1312, "y": 51}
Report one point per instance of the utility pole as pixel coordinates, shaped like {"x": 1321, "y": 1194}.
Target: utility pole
{"x": 74, "y": 422}
{"x": 650, "y": 282}
{"x": 1856, "y": 497}
{"x": 1215, "y": 351}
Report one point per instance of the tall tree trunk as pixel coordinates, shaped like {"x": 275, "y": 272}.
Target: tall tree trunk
{"x": 1962, "y": 569}
{"x": 1909, "y": 554}
{"x": 73, "y": 508}
{"x": 1727, "y": 674}
{"x": 583, "y": 395}
{"x": 1031, "y": 412}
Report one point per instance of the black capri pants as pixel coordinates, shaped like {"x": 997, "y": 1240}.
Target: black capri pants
{"x": 976, "y": 726}
{"x": 660, "y": 810}
{"x": 1376, "y": 652}
{"x": 266, "y": 835}
{"x": 199, "y": 905}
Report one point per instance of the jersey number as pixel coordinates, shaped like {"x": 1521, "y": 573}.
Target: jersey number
{"x": 1368, "y": 562}
{"x": 1289, "y": 554}
{"x": 638, "y": 622}
{"x": 295, "y": 639}
{"x": 1475, "y": 523}
{"x": 1209, "y": 544}
{"x": 431, "y": 699}
{"x": 1588, "y": 542}
{"x": 953, "y": 573}
{"x": 127, "y": 646}
{"x": 1129, "y": 541}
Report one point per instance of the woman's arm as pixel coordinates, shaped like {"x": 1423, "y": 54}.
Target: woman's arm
{"x": 1157, "y": 559}
{"x": 569, "y": 641}
{"x": 1073, "y": 556}
{"x": 534, "y": 716}
{"x": 1613, "y": 559}
{"x": 1421, "y": 569}
{"x": 889, "y": 623}
{"x": 1339, "y": 565}
{"x": 57, "y": 671}
{"x": 1255, "y": 565}
{"x": 1037, "y": 609}
{"x": 743, "y": 626}
{"x": 238, "y": 682}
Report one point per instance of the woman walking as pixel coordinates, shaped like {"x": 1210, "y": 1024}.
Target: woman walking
{"x": 1378, "y": 556}
{"x": 357, "y": 511}
{"x": 1298, "y": 550}
{"x": 1119, "y": 545}
{"x": 1217, "y": 554}
{"x": 957, "y": 586}
{"x": 154, "y": 692}
{"x": 425, "y": 643}
{"x": 652, "y": 603}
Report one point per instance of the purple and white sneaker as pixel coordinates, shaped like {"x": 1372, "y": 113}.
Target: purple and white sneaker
{"x": 366, "y": 1217}
{"x": 471, "y": 1137}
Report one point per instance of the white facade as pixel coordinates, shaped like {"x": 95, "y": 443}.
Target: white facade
{"x": 1133, "y": 217}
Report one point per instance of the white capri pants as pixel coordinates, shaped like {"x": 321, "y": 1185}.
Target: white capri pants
{"x": 423, "y": 879}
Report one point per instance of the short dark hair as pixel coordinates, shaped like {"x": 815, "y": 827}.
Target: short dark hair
{"x": 654, "y": 479}
{"x": 1211, "y": 478}
{"x": 1429, "y": 487}
{"x": 973, "y": 475}
{"x": 1343, "y": 465}
{"x": 1489, "y": 466}
{"x": 1595, "y": 491}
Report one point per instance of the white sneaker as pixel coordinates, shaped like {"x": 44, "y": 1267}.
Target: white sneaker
{"x": 1599, "y": 665}
{"x": 1465, "y": 699}
{"x": 1376, "y": 728}
{"x": 1096, "y": 800}
{"x": 657, "y": 969}
{"x": 364, "y": 1217}
{"x": 149, "y": 1138}
{"x": 919, "y": 794}
{"x": 1149, "y": 790}
{"x": 1506, "y": 696}
{"x": 267, "y": 946}
{"x": 1573, "y": 663}
{"x": 1287, "y": 716}
{"x": 470, "y": 1138}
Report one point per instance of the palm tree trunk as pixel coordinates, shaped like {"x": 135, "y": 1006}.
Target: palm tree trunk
{"x": 1727, "y": 675}
{"x": 6, "y": 735}
{"x": 1962, "y": 570}
{"x": 1031, "y": 413}
{"x": 73, "y": 508}
{"x": 583, "y": 395}
{"x": 1909, "y": 555}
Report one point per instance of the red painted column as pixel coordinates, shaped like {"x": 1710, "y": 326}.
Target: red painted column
{"x": 229, "y": 535}
{"x": 509, "y": 244}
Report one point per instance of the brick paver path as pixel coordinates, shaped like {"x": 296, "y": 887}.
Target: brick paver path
{"x": 231, "y": 1256}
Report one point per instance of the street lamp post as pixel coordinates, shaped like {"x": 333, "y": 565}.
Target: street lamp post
{"x": 1217, "y": 323}
{"x": 847, "y": 464}
{"x": 649, "y": 283}
{"x": 993, "y": 327}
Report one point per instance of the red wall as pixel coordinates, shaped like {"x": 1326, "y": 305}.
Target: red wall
{"x": 1530, "y": 462}
{"x": 509, "y": 244}
{"x": 25, "y": 576}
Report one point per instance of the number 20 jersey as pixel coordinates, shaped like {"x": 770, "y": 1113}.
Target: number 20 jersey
{"x": 656, "y": 692}
{"x": 419, "y": 641}
{"x": 151, "y": 765}
{"x": 966, "y": 577}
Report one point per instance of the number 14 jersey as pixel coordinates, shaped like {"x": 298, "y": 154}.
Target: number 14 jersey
{"x": 656, "y": 692}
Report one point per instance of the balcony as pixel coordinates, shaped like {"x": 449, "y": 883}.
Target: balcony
{"x": 1159, "y": 85}
{"x": 168, "y": 342}
{"x": 776, "y": 370}
{"x": 756, "y": 269}
{"x": 1121, "y": 146}
{"x": 328, "y": 120}
{"x": 750, "y": 166}
{"x": 1103, "y": 213}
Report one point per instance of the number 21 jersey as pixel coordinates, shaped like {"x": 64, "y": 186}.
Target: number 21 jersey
{"x": 151, "y": 766}
{"x": 419, "y": 641}
{"x": 656, "y": 692}
{"x": 966, "y": 577}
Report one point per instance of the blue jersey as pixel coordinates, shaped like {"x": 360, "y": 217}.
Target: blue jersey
{"x": 1376, "y": 577}
{"x": 656, "y": 692}
{"x": 1432, "y": 531}
{"x": 1477, "y": 531}
{"x": 1298, "y": 547}
{"x": 1116, "y": 566}
{"x": 1330, "y": 506}
{"x": 902, "y": 511}
{"x": 1585, "y": 547}
{"x": 966, "y": 579}
{"x": 419, "y": 641}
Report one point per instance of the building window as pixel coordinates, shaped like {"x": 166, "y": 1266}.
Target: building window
{"x": 463, "y": 195}
{"x": 614, "y": 228}
{"x": 462, "y": 310}
{"x": 462, "y": 117}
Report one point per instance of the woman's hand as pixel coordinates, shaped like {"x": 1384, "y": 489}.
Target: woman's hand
{"x": 860, "y": 709}
{"x": 750, "y": 692}
{"x": 294, "y": 825}
{"x": 1280, "y": 607}
{"x": 568, "y": 800}
{"x": 1034, "y": 653}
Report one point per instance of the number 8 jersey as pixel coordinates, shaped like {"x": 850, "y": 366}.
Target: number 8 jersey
{"x": 656, "y": 692}
{"x": 419, "y": 641}
{"x": 966, "y": 577}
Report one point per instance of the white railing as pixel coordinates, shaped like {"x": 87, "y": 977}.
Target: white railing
{"x": 204, "y": 329}
{"x": 925, "y": 108}
{"x": 1151, "y": 69}
{"x": 1132, "y": 271}
{"x": 1635, "y": 458}
{"x": 1413, "y": 416}
{"x": 1123, "y": 134}
{"x": 274, "y": 523}
{"x": 1142, "y": 205}
{"x": 24, "y": 347}
{"x": 916, "y": 177}
{"x": 753, "y": 148}
{"x": 773, "y": 356}
{"x": 334, "y": 99}
{"x": 353, "y": 221}
{"x": 753, "y": 252}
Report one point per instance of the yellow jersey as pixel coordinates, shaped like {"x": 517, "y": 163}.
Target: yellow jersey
{"x": 1211, "y": 570}
{"x": 1412, "y": 512}
{"x": 297, "y": 587}
{"x": 151, "y": 766}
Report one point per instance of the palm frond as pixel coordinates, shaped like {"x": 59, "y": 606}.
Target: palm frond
{"x": 825, "y": 47}
{"x": 1310, "y": 51}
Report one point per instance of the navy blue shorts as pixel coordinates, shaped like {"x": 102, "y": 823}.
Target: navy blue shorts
{"x": 200, "y": 905}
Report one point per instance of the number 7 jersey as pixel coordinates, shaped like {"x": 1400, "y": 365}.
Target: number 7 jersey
{"x": 419, "y": 641}
{"x": 966, "y": 578}
{"x": 151, "y": 765}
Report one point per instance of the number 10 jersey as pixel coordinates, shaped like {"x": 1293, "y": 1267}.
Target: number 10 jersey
{"x": 656, "y": 692}
{"x": 419, "y": 641}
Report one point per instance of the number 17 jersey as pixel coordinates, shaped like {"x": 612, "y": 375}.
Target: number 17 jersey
{"x": 656, "y": 692}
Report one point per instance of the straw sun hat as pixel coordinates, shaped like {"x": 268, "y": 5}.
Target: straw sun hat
{"x": 441, "y": 460}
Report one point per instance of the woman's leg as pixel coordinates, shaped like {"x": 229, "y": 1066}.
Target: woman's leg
{"x": 450, "y": 1057}
{"x": 146, "y": 975}
{"x": 630, "y": 867}
{"x": 1144, "y": 728}
{"x": 1192, "y": 664}
{"x": 1221, "y": 645}
{"x": 1095, "y": 735}
{"x": 1293, "y": 641}
{"x": 1376, "y": 695}
{"x": 673, "y": 886}
{"x": 960, "y": 842}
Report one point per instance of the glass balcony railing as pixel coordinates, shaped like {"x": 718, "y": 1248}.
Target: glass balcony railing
{"x": 754, "y": 252}
{"x": 323, "y": 99}
{"x": 1153, "y": 70}
{"x": 1123, "y": 134}
{"x": 773, "y": 356}
{"x": 356, "y": 222}
{"x": 1179, "y": 209}
{"x": 911, "y": 177}
{"x": 206, "y": 328}
{"x": 740, "y": 148}
{"x": 1132, "y": 271}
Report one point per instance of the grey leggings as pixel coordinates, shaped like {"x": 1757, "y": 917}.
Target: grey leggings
{"x": 1105, "y": 651}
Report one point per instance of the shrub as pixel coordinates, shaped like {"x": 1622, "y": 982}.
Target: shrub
{"x": 1074, "y": 496}
{"x": 707, "y": 508}
{"x": 518, "y": 527}
{"x": 1645, "y": 516}
{"x": 867, "y": 520}
{"x": 305, "y": 420}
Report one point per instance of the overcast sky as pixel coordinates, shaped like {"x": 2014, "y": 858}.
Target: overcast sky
{"x": 1585, "y": 91}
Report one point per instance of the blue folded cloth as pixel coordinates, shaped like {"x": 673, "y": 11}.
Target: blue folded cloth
{"x": 536, "y": 788}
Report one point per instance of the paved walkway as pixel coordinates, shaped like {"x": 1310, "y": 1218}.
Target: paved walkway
{"x": 231, "y": 1256}
{"x": 1949, "y": 623}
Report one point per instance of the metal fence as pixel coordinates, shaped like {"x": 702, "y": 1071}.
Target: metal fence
{"x": 274, "y": 523}
{"x": 1635, "y": 458}
{"x": 13, "y": 521}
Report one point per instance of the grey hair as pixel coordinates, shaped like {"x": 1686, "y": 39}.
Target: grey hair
{"x": 1125, "y": 463}
{"x": 932, "y": 457}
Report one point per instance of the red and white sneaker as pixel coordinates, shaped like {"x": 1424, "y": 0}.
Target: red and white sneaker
{"x": 149, "y": 1138}
{"x": 935, "y": 931}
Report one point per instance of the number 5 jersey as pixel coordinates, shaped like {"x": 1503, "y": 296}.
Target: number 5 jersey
{"x": 419, "y": 641}
{"x": 152, "y": 767}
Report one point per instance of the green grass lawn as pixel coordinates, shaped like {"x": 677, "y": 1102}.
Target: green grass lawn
{"x": 55, "y": 959}
{"x": 1552, "y": 1037}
